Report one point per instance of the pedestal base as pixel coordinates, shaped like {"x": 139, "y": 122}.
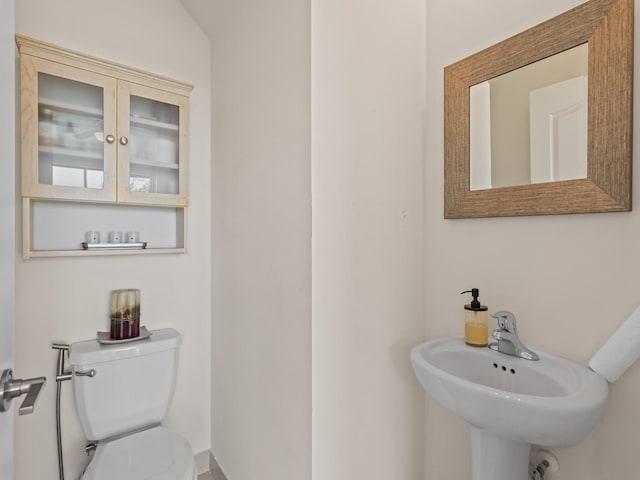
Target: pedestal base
{"x": 494, "y": 458}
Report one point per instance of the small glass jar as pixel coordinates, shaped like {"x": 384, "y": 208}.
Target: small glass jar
{"x": 47, "y": 129}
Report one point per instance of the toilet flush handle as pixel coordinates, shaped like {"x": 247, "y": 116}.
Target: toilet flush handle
{"x": 85, "y": 373}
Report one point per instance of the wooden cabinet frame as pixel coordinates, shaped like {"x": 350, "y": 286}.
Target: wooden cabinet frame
{"x": 118, "y": 83}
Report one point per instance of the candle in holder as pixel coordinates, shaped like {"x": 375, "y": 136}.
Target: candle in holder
{"x": 125, "y": 314}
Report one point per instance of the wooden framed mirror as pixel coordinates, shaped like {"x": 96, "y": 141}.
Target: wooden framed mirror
{"x": 606, "y": 27}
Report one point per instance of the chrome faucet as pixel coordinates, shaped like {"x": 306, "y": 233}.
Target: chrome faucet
{"x": 507, "y": 337}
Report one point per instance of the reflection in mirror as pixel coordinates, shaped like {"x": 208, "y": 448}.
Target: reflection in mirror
{"x": 530, "y": 125}
{"x": 605, "y": 29}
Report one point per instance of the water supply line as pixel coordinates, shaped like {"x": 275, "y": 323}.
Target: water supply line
{"x": 61, "y": 376}
{"x": 543, "y": 461}
{"x": 540, "y": 470}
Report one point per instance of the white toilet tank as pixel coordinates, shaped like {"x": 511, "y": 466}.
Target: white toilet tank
{"x": 132, "y": 386}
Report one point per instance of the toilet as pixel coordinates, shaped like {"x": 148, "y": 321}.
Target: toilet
{"x": 122, "y": 393}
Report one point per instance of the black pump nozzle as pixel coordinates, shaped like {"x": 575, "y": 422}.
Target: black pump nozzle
{"x": 475, "y": 303}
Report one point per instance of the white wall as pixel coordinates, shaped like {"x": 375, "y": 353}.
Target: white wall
{"x": 66, "y": 299}
{"x": 569, "y": 279}
{"x": 261, "y": 325}
{"x": 365, "y": 63}
{"x": 7, "y": 218}
{"x": 368, "y": 106}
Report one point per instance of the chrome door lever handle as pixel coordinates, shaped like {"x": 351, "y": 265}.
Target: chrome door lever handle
{"x": 32, "y": 392}
{"x": 11, "y": 388}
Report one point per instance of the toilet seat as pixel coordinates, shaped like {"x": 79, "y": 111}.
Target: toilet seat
{"x": 153, "y": 454}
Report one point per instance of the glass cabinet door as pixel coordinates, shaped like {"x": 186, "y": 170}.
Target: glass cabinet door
{"x": 68, "y": 120}
{"x": 152, "y": 146}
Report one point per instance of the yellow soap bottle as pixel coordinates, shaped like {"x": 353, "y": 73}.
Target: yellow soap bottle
{"x": 476, "y": 321}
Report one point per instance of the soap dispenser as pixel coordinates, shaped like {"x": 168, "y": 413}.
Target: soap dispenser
{"x": 476, "y": 321}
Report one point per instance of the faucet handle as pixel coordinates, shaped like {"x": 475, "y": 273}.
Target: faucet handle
{"x": 506, "y": 321}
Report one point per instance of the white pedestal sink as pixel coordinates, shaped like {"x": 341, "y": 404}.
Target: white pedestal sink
{"x": 509, "y": 402}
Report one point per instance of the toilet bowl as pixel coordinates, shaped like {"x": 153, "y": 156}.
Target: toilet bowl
{"x": 122, "y": 393}
{"x": 155, "y": 453}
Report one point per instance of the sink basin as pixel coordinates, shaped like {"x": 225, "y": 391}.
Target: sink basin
{"x": 509, "y": 402}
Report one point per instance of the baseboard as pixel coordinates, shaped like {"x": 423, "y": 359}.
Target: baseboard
{"x": 218, "y": 474}
{"x": 203, "y": 462}
{"x": 206, "y": 462}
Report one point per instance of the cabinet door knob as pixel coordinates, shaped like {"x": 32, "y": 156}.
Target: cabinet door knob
{"x": 110, "y": 138}
{"x": 124, "y": 140}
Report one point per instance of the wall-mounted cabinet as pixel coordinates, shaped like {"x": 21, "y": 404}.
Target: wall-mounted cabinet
{"x": 98, "y": 132}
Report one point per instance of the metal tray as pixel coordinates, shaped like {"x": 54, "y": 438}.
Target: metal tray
{"x": 114, "y": 246}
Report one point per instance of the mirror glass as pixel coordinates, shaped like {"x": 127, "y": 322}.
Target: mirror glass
{"x": 530, "y": 158}
{"x": 530, "y": 125}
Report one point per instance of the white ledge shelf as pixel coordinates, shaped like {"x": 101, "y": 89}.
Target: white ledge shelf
{"x": 104, "y": 252}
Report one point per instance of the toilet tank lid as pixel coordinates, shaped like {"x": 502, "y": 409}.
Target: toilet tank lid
{"x": 91, "y": 351}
